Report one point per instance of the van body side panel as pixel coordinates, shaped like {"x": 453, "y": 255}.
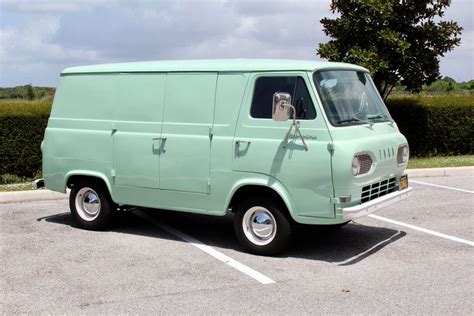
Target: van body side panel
{"x": 229, "y": 97}
{"x": 139, "y": 115}
{"x": 78, "y": 133}
{"x": 192, "y": 202}
{"x": 186, "y": 132}
{"x": 306, "y": 175}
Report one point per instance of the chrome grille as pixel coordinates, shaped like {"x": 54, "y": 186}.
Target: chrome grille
{"x": 365, "y": 163}
{"x": 378, "y": 189}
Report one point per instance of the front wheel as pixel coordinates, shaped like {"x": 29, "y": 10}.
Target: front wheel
{"x": 261, "y": 226}
{"x": 91, "y": 205}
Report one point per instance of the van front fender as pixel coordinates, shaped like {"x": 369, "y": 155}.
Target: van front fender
{"x": 267, "y": 182}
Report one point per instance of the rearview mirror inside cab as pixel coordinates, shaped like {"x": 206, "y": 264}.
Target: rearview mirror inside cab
{"x": 281, "y": 106}
{"x": 328, "y": 83}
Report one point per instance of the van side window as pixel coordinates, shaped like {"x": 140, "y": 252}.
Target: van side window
{"x": 302, "y": 102}
{"x": 265, "y": 87}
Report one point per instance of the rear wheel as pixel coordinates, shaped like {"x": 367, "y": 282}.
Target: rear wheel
{"x": 91, "y": 205}
{"x": 261, "y": 225}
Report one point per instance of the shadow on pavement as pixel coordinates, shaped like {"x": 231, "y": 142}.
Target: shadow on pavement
{"x": 344, "y": 246}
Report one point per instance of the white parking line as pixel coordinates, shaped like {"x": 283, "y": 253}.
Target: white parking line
{"x": 424, "y": 230}
{"x": 208, "y": 249}
{"x": 441, "y": 186}
{"x": 372, "y": 249}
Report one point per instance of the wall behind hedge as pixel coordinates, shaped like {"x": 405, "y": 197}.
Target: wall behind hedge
{"x": 435, "y": 125}
{"x": 22, "y": 125}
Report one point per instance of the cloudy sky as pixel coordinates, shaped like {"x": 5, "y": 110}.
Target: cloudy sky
{"x": 39, "y": 38}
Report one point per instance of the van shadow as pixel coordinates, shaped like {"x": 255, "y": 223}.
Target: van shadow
{"x": 344, "y": 246}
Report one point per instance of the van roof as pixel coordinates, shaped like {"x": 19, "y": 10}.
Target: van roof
{"x": 212, "y": 65}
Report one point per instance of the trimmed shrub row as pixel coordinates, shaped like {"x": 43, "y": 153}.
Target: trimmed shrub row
{"x": 22, "y": 125}
{"x": 435, "y": 125}
{"x": 432, "y": 125}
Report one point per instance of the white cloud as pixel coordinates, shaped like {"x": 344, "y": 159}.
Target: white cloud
{"x": 46, "y": 36}
{"x": 459, "y": 63}
{"x": 247, "y": 25}
{"x": 34, "y": 43}
{"x": 235, "y": 29}
{"x": 49, "y": 6}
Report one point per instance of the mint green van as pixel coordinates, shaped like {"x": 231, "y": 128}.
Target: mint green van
{"x": 277, "y": 142}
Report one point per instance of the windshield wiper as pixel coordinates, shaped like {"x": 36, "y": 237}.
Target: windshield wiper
{"x": 355, "y": 119}
{"x": 376, "y": 117}
{"x": 379, "y": 117}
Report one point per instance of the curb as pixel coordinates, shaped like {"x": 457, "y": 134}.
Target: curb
{"x": 44, "y": 195}
{"x": 31, "y": 195}
{"x": 440, "y": 172}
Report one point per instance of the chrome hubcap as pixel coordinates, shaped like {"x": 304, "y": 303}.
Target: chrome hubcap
{"x": 259, "y": 225}
{"x": 87, "y": 204}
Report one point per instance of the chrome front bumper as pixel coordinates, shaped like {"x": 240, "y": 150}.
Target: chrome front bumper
{"x": 357, "y": 211}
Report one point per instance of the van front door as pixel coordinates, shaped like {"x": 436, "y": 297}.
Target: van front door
{"x": 186, "y": 132}
{"x": 259, "y": 143}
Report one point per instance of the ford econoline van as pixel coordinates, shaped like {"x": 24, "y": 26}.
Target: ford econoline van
{"x": 277, "y": 142}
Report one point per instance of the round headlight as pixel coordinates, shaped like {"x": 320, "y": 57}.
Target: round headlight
{"x": 355, "y": 166}
{"x": 405, "y": 154}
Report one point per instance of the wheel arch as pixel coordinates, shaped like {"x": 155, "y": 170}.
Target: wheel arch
{"x": 261, "y": 186}
{"x": 76, "y": 175}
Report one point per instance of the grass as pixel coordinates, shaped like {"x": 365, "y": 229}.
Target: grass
{"x": 6, "y": 179}
{"x": 11, "y": 182}
{"x": 441, "y": 162}
{"x": 17, "y": 187}
{"x": 25, "y": 107}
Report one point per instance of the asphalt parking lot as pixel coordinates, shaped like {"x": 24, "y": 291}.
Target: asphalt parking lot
{"x": 412, "y": 257}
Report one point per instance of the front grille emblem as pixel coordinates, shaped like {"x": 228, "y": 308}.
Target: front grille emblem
{"x": 386, "y": 153}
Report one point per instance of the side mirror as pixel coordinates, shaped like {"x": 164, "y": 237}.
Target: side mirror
{"x": 281, "y": 106}
{"x": 282, "y": 109}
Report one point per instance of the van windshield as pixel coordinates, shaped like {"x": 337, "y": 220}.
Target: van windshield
{"x": 349, "y": 97}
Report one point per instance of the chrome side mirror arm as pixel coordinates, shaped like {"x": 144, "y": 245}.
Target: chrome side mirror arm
{"x": 295, "y": 124}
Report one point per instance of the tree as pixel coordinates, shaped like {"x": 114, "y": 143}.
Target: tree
{"x": 397, "y": 40}
{"x": 471, "y": 85}
{"x": 448, "y": 79}
{"x": 30, "y": 92}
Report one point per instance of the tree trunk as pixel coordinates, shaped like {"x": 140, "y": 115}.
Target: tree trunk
{"x": 388, "y": 92}
{"x": 383, "y": 88}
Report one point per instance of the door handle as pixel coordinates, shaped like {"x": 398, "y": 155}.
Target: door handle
{"x": 241, "y": 150}
{"x": 238, "y": 142}
{"x": 160, "y": 150}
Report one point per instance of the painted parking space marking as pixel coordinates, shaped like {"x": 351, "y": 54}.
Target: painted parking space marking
{"x": 373, "y": 249}
{"x": 441, "y": 186}
{"x": 207, "y": 249}
{"x": 424, "y": 230}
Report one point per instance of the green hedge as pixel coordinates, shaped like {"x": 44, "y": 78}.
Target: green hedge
{"x": 432, "y": 125}
{"x": 22, "y": 125}
{"x": 435, "y": 125}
